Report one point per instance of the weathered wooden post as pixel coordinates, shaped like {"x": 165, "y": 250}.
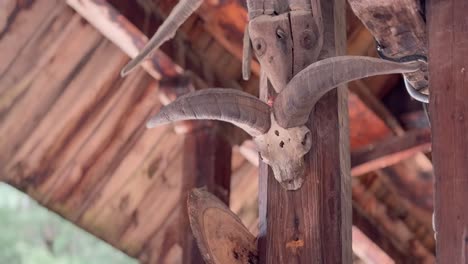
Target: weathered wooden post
{"x": 206, "y": 162}
{"x": 312, "y": 224}
{"x": 448, "y": 76}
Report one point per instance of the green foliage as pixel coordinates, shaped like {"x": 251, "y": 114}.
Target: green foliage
{"x": 30, "y": 234}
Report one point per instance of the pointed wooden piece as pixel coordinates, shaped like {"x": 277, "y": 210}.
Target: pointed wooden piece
{"x": 220, "y": 234}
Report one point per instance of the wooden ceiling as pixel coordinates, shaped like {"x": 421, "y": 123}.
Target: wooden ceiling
{"x": 73, "y": 136}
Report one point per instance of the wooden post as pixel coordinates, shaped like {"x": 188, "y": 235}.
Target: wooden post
{"x": 313, "y": 224}
{"x": 206, "y": 161}
{"x": 448, "y": 76}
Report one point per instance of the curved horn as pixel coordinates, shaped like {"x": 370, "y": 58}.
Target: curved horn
{"x": 165, "y": 32}
{"x": 293, "y": 105}
{"x": 229, "y": 105}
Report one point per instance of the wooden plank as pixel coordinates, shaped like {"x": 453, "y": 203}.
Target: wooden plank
{"x": 304, "y": 226}
{"x": 390, "y": 151}
{"x": 143, "y": 172}
{"x": 20, "y": 23}
{"x": 123, "y": 34}
{"x": 106, "y": 141}
{"x": 66, "y": 111}
{"x": 417, "y": 219}
{"x": 386, "y": 229}
{"x": 377, "y": 235}
{"x": 448, "y": 58}
{"x": 83, "y": 150}
{"x": 27, "y": 65}
{"x": 130, "y": 39}
{"x": 78, "y": 43}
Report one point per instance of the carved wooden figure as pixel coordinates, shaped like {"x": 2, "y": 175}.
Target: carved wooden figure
{"x": 277, "y": 128}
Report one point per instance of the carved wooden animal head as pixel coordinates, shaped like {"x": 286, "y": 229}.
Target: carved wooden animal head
{"x": 278, "y": 130}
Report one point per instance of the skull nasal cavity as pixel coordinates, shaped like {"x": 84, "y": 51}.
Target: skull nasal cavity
{"x": 305, "y": 139}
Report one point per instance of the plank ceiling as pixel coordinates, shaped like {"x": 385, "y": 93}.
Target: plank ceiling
{"x": 73, "y": 136}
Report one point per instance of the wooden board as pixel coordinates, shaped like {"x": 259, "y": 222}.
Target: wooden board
{"x": 302, "y": 226}
{"x": 448, "y": 59}
{"x": 390, "y": 151}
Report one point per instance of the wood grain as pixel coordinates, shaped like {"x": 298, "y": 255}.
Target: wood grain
{"x": 124, "y": 34}
{"x": 399, "y": 27}
{"x": 220, "y": 234}
{"x": 301, "y": 226}
{"x": 448, "y": 57}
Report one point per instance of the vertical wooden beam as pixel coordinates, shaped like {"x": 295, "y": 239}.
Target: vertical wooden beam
{"x": 448, "y": 75}
{"x": 206, "y": 162}
{"x": 313, "y": 224}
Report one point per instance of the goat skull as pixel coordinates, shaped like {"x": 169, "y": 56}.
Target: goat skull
{"x": 283, "y": 149}
{"x": 279, "y": 130}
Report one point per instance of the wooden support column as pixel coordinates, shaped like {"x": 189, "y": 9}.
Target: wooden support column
{"x": 206, "y": 161}
{"x": 448, "y": 77}
{"x": 313, "y": 224}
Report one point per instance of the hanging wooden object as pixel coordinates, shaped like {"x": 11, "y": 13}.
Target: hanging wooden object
{"x": 220, "y": 234}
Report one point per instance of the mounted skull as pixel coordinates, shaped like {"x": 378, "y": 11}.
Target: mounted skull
{"x": 279, "y": 130}
{"x": 283, "y": 149}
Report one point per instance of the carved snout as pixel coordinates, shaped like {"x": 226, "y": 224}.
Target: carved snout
{"x": 291, "y": 176}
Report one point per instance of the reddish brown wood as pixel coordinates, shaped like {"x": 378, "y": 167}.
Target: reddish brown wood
{"x": 386, "y": 228}
{"x": 377, "y": 234}
{"x": 306, "y": 225}
{"x": 124, "y": 34}
{"x": 390, "y": 151}
{"x": 448, "y": 58}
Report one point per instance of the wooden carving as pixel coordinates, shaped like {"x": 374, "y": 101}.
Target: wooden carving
{"x": 220, "y": 234}
{"x": 277, "y": 128}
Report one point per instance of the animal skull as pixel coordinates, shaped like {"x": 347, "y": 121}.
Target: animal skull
{"x": 284, "y": 150}
{"x": 279, "y": 130}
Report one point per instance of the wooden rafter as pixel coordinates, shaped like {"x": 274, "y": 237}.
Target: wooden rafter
{"x": 124, "y": 34}
{"x": 390, "y": 151}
